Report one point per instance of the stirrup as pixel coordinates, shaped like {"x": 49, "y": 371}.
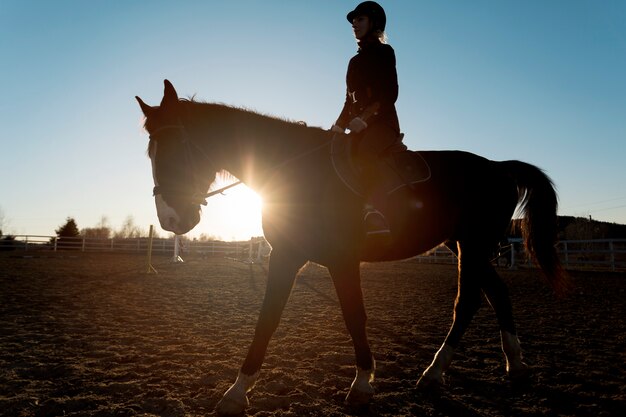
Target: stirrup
{"x": 375, "y": 223}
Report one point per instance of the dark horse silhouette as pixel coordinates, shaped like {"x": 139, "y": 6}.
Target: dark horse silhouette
{"x": 310, "y": 215}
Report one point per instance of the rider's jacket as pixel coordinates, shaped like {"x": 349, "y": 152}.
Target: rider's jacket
{"x": 372, "y": 87}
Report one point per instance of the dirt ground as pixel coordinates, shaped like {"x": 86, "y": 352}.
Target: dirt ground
{"x": 94, "y": 335}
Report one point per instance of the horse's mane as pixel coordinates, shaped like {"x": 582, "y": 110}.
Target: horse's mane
{"x": 292, "y": 129}
{"x": 193, "y": 102}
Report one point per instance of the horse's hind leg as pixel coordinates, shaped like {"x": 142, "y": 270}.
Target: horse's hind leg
{"x": 497, "y": 294}
{"x": 477, "y": 275}
{"x": 347, "y": 281}
{"x": 467, "y": 303}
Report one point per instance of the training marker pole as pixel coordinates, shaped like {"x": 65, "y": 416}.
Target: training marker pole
{"x": 177, "y": 257}
{"x": 150, "y": 268}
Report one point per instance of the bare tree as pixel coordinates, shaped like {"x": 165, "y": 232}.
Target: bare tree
{"x": 101, "y": 231}
{"x": 129, "y": 229}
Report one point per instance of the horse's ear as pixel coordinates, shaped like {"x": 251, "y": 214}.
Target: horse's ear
{"x": 147, "y": 110}
{"x": 169, "y": 95}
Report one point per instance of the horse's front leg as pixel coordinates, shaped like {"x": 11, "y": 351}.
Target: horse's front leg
{"x": 283, "y": 268}
{"x": 347, "y": 281}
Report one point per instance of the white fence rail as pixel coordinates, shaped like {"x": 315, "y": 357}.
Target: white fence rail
{"x": 603, "y": 254}
{"x": 254, "y": 248}
{"x": 607, "y": 254}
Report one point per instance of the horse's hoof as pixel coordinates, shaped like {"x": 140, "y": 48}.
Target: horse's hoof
{"x": 361, "y": 390}
{"x": 229, "y": 406}
{"x": 356, "y": 398}
{"x": 429, "y": 382}
{"x": 521, "y": 373}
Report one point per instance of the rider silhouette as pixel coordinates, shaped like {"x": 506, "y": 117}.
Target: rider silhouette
{"x": 369, "y": 111}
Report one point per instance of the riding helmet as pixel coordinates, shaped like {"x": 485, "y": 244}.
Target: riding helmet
{"x": 372, "y": 10}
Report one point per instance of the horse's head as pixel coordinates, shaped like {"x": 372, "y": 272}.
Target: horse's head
{"x": 181, "y": 171}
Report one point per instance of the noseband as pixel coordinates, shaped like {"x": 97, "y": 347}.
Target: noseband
{"x": 197, "y": 197}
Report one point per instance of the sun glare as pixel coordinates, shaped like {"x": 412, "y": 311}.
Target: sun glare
{"x": 235, "y": 215}
{"x": 245, "y": 204}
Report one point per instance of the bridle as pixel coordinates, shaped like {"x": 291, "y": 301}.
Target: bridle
{"x": 201, "y": 197}
{"x": 196, "y": 197}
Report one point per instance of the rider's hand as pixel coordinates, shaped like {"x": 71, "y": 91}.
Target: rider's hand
{"x": 337, "y": 129}
{"x": 357, "y": 125}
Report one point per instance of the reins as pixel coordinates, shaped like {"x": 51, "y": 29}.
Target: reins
{"x": 221, "y": 190}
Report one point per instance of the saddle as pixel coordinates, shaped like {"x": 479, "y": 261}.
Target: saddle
{"x": 400, "y": 167}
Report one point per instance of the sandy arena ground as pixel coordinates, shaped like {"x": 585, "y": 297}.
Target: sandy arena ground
{"x": 93, "y": 335}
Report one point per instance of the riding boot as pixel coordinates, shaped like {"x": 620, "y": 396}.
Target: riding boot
{"x": 375, "y": 224}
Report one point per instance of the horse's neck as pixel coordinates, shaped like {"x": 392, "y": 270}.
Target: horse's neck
{"x": 253, "y": 146}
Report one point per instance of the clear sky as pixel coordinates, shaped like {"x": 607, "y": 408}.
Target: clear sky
{"x": 535, "y": 80}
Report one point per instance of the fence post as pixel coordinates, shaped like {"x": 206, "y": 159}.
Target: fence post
{"x": 83, "y": 245}
{"x": 566, "y": 254}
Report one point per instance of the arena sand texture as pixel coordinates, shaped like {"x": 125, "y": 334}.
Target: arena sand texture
{"x": 93, "y": 335}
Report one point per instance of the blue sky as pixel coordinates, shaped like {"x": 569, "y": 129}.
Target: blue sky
{"x": 539, "y": 81}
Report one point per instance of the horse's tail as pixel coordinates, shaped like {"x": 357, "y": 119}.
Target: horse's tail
{"x": 538, "y": 206}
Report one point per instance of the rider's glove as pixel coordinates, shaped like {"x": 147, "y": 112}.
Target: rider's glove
{"x": 357, "y": 125}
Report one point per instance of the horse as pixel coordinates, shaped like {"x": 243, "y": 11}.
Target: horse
{"x": 309, "y": 214}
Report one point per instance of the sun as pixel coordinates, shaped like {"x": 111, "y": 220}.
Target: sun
{"x": 245, "y": 205}
{"x": 233, "y": 215}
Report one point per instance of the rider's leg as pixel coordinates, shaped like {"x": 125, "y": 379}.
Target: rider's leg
{"x": 372, "y": 144}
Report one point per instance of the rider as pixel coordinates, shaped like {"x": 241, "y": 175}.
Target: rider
{"x": 369, "y": 111}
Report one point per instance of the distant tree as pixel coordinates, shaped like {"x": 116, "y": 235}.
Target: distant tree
{"x": 581, "y": 228}
{"x": 7, "y": 242}
{"x": 69, "y": 229}
{"x": 67, "y": 234}
{"x": 96, "y": 232}
{"x": 129, "y": 229}
{"x": 104, "y": 222}
{"x": 207, "y": 238}
{"x": 101, "y": 231}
